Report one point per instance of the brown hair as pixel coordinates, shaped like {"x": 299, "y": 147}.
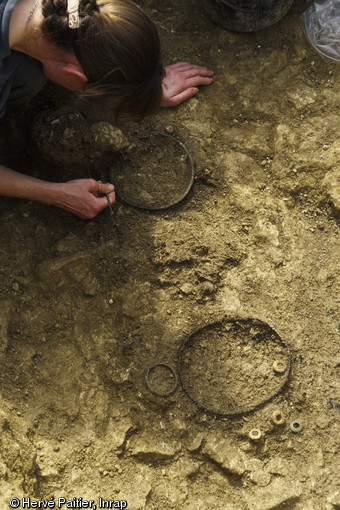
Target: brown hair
{"x": 118, "y": 47}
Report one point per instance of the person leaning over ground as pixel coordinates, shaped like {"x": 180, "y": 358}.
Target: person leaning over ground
{"x": 93, "y": 47}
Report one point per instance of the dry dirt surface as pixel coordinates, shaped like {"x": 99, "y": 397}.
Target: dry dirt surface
{"x": 121, "y": 336}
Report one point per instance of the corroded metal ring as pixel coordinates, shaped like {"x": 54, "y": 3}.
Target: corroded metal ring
{"x": 181, "y": 366}
{"x": 159, "y": 393}
{"x": 125, "y": 193}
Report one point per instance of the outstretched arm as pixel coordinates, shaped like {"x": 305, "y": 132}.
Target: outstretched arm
{"x": 181, "y": 81}
{"x": 82, "y": 197}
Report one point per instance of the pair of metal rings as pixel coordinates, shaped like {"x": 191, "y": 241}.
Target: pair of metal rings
{"x": 281, "y": 367}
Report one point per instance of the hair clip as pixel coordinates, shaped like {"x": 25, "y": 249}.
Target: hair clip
{"x": 73, "y": 13}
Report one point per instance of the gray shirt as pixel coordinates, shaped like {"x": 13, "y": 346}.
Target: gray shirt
{"x": 9, "y": 60}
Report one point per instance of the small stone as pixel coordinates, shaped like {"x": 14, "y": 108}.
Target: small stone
{"x": 186, "y": 468}
{"x": 109, "y": 138}
{"x": 186, "y": 288}
{"x": 117, "y": 431}
{"x": 278, "y": 466}
{"x": 331, "y": 184}
{"x": 136, "y": 493}
{"x": 145, "y": 448}
{"x": 90, "y": 285}
{"x": 322, "y": 422}
{"x": 3, "y": 470}
{"x": 68, "y": 133}
{"x": 334, "y": 500}
{"x": 276, "y": 494}
{"x": 260, "y": 477}
{"x": 48, "y": 462}
{"x": 207, "y": 288}
{"x": 15, "y": 287}
{"x": 245, "y": 446}
{"x": 195, "y": 444}
{"x": 226, "y": 455}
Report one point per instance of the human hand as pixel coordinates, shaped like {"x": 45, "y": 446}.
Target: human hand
{"x": 85, "y": 197}
{"x": 181, "y": 81}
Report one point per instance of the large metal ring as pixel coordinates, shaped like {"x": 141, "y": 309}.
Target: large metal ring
{"x": 267, "y": 337}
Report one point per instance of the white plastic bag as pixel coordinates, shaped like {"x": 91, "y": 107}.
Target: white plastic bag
{"x": 321, "y": 23}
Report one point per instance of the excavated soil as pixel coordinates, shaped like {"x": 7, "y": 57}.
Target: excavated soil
{"x": 107, "y": 325}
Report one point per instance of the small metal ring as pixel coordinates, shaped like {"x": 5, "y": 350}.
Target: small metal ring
{"x": 158, "y": 393}
{"x": 278, "y": 418}
{"x": 279, "y": 366}
{"x": 255, "y": 434}
{"x": 296, "y": 426}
